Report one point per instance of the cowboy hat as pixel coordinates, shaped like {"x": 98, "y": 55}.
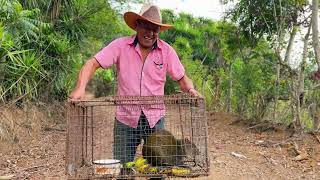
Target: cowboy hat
{"x": 148, "y": 12}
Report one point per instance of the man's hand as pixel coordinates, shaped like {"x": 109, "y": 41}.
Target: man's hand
{"x": 76, "y": 94}
{"x": 193, "y": 92}
{"x": 186, "y": 85}
{"x": 85, "y": 75}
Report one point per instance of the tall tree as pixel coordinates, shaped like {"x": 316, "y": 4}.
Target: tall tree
{"x": 275, "y": 21}
{"x": 315, "y": 30}
{"x": 316, "y": 47}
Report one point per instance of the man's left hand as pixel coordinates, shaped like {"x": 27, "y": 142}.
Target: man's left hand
{"x": 194, "y": 92}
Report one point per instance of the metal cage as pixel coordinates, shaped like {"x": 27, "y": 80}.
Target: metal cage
{"x": 91, "y": 139}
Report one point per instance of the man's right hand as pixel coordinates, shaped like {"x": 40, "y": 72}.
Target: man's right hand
{"x": 77, "y": 94}
{"x": 85, "y": 75}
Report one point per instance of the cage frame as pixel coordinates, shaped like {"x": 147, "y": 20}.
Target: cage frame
{"x": 85, "y": 112}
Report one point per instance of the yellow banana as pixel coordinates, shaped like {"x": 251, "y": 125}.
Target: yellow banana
{"x": 143, "y": 169}
{"x": 152, "y": 170}
{"x": 180, "y": 171}
{"x": 140, "y": 162}
{"x": 129, "y": 164}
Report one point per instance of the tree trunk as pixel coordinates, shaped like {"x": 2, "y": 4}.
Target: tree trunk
{"x": 316, "y": 120}
{"x": 290, "y": 43}
{"x": 229, "y": 101}
{"x": 217, "y": 93}
{"x": 300, "y": 85}
{"x": 217, "y": 80}
{"x": 316, "y": 47}
{"x": 280, "y": 38}
{"x": 277, "y": 84}
{"x": 315, "y": 30}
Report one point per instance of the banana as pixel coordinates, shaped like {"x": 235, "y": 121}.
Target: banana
{"x": 140, "y": 162}
{"x": 180, "y": 171}
{"x": 166, "y": 171}
{"x": 140, "y": 165}
{"x": 152, "y": 170}
{"x": 129, "y": 164}
{"x": 144, "y": 168}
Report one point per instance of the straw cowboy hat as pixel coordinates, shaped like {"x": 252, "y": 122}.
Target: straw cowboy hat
{"x": 148, "y": 12}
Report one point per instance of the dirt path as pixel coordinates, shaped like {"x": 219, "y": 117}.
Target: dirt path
{"x": 267, "y": 155}
{"x": 235, "y": 152}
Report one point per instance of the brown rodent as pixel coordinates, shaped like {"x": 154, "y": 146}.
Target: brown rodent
{"x": 161, "y": 148}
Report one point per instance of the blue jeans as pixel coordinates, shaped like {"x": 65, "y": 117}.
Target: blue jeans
{"x": 126, "y": 138}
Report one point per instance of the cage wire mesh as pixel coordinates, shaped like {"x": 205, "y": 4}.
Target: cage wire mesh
{"x": 95, "y": 146}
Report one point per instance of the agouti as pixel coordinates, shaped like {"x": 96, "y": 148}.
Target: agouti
{"x": 161, "y": 148}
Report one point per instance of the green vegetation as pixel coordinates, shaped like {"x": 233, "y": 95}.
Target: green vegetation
{"x": 235, "y": 63}
{"x": 44, "y": 43}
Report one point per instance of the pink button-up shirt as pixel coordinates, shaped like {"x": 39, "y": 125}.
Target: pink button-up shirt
{"x": 138, "y": 78}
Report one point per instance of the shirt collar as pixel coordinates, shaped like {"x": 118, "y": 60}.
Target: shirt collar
{"x": 134, "y": 41}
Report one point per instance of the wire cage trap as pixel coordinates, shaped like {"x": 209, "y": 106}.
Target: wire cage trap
{"x": 96, "y": 147}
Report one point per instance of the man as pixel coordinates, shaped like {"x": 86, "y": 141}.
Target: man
{"x": 142, "y": 62}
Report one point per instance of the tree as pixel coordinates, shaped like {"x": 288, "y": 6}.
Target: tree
{"x": 315, "y": 30}
{"x": 274, "y": 21}
{"x": 316, "y": 47}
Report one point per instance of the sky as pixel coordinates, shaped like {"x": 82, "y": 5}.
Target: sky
{"x": 199, "y": 8}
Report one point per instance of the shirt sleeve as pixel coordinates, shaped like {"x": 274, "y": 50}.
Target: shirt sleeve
{"x": 175, "y": 68}
{"x": 109, "y": 55}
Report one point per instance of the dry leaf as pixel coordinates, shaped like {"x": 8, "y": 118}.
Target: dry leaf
{"x": 238, "y": 155}
{"x": 301, "y": 157}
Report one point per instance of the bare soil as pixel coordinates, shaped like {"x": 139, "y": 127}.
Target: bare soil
{"x": 236, "y": 150}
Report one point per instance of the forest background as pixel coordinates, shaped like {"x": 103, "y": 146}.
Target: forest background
{"x": 241, "y": 64}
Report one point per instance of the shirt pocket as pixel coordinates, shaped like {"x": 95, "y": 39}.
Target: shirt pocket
{"x": 158, "y": 70}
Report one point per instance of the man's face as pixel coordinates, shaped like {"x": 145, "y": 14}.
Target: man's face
{"x": 147, "y": 33}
